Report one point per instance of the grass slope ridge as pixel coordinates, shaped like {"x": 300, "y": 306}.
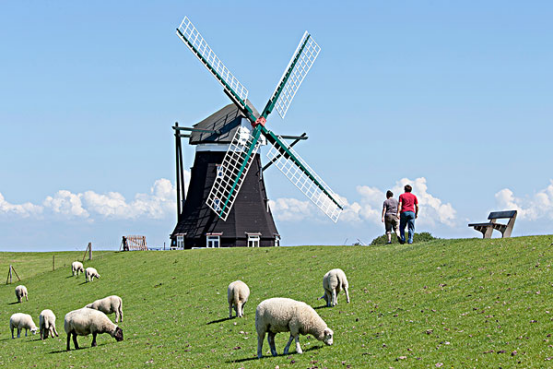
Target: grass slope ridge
{"x": 450, "y": 303}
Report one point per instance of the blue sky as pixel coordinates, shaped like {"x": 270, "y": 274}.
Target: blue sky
{"x": 453, "y": 97}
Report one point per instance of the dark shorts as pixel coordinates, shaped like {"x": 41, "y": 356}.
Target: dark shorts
{"x": 391, "y": 222}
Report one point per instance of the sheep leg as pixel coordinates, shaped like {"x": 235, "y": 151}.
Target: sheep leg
{"x": 93, "y": 340}
{"x": 298, "y": 348}
{"x": 286, "y": 351}
{"x": 334, "y": 298}
{"x": 271, "y": 341}
{"x": 242, "y": 309}
{"x": 329, "y": 298}
{"x": 42, "y": 333}
{"x": 347, "y": 296}
{"x": 75, "y": 341}
{"x": 18, "y": 332}
{"x": 68, "y": 341}
{"x": 120, "y": 313}
{"x": 230, "y": 311}
{"x": 53, "y": 327}
{"x": 239, "y": 309}
{"x": 12, "y": 332}
{"x": 261, "y": 338}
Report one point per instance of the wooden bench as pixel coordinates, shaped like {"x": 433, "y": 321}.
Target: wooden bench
{"x": 505, "y": 229}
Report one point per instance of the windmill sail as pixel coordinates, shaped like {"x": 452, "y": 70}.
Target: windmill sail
{"x": 303, "y": 177}
{"x": 297, "y": 69}
{"x": 199, "y": 47}
{"x": 232, "y": 171}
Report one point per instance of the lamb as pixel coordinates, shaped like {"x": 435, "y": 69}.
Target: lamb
{"x": 286, "y": 315}
{"x": 90, "y": 273}
{"x": 108, "y": 305}
{"x": 47, "y": 324}
{"x": 77, "y": 267}
{"x": 85, "y": 321}
{"x": 333, "y": 281}
{"x": 22, "y": 321}
{"x": 237, "y": 296}
{"x": 20, "y": 292}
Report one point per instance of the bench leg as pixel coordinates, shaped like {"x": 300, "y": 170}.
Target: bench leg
{"x": 486, "y": 231}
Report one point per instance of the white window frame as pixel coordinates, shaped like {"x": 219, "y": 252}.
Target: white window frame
{"x": 180, "y": 242}
{"x": 213, "y": 241}
{"x": 277, "y": 240}
{"x": 219, "y": 171}
{"x": 254, "y": 239}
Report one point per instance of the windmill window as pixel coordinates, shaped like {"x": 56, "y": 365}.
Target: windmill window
{"x": 213, "y": 241}
{"x": 217, "y": 205}
{"x": 219, "y": 171}
{"x": 277, "y": 240}
{"x": 180, "y": 242}
{"x": 253, "y": 239}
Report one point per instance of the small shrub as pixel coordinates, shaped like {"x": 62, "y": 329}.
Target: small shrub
{"x": 418, "y": 237}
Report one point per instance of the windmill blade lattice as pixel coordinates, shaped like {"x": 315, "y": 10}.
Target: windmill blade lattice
{"x": 199, "y": 47}
{"x": 233, "y": 170}
{"x": 303, "y": 177}
{"x": 297, "y": 69}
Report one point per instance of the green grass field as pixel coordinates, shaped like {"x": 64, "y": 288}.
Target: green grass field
{"x": 446, "y": 303}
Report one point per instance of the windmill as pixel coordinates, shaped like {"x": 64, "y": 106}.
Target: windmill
{"x": 243, "y": 146}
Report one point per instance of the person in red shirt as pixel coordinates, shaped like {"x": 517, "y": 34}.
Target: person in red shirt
{"x": 408, "y": 208}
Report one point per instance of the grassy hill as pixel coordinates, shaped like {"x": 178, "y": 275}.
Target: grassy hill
{"x": 445, "y": 303}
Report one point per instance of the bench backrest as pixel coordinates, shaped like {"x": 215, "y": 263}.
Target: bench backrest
{"x": 503, "y": 214}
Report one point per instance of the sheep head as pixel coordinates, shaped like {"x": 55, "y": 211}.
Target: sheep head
{"x": 328, "y": 336}
{"x": 118, "y": 334}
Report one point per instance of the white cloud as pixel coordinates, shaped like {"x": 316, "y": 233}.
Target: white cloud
{"x": 156, "y": 204}
{"x": 529, "y": 208}
{"x": 292, "y": 210}
{"x": 67, "y": 204}
{"x": 22, "y": 210}
{"x": 432, "y": 210}
{"x": 159, "y": 203}
{"x": 369, "y": 205}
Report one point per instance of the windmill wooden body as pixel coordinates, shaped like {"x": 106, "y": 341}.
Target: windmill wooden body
{"x": 227, "y": 193}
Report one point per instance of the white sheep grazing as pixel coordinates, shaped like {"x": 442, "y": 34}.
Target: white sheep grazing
{"x": 286, "y": 315}
{"x": 77, "y": 267}
{"x": 47, "y": 324}
{"x": 333, "y": 281}
{"x": 109, "y": 305}
{"x": 90, "y": 273}
{"x": 87, "y": 321}
{"x": 22, "y": 321}
{"x": 237, "y": 296}
{"x": 20, "y": 292}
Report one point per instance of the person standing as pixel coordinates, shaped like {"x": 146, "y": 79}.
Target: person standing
{"x": 408, "y": 208}
{"x": 389, "y": 217}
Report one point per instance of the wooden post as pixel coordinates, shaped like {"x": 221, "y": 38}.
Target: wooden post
{"x": 90, "y": 250}
{"x": 9, "y": 279}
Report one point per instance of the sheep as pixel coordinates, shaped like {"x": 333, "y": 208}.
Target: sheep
{"x": 108, "y": 305}
{"x": 20, "y": 292}
{"x": 85, "y": 321}
{"x": 90, "y": 273}
{"x": 22, "y": 321}
{"x": 237, "y": 296}
{"x": 333, "y": 281}
{"x": 47, "y": 324}
{"x": 286, "y": 315}
{"x": 77, "y": 267}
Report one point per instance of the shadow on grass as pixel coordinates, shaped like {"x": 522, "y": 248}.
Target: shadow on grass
{"x": 278, "y": 355}
{"x": 218, "y": 321}
{"x": 74, "y": 349}
{"x": 13, "y": 303}
{"x": 320, "y": 307}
